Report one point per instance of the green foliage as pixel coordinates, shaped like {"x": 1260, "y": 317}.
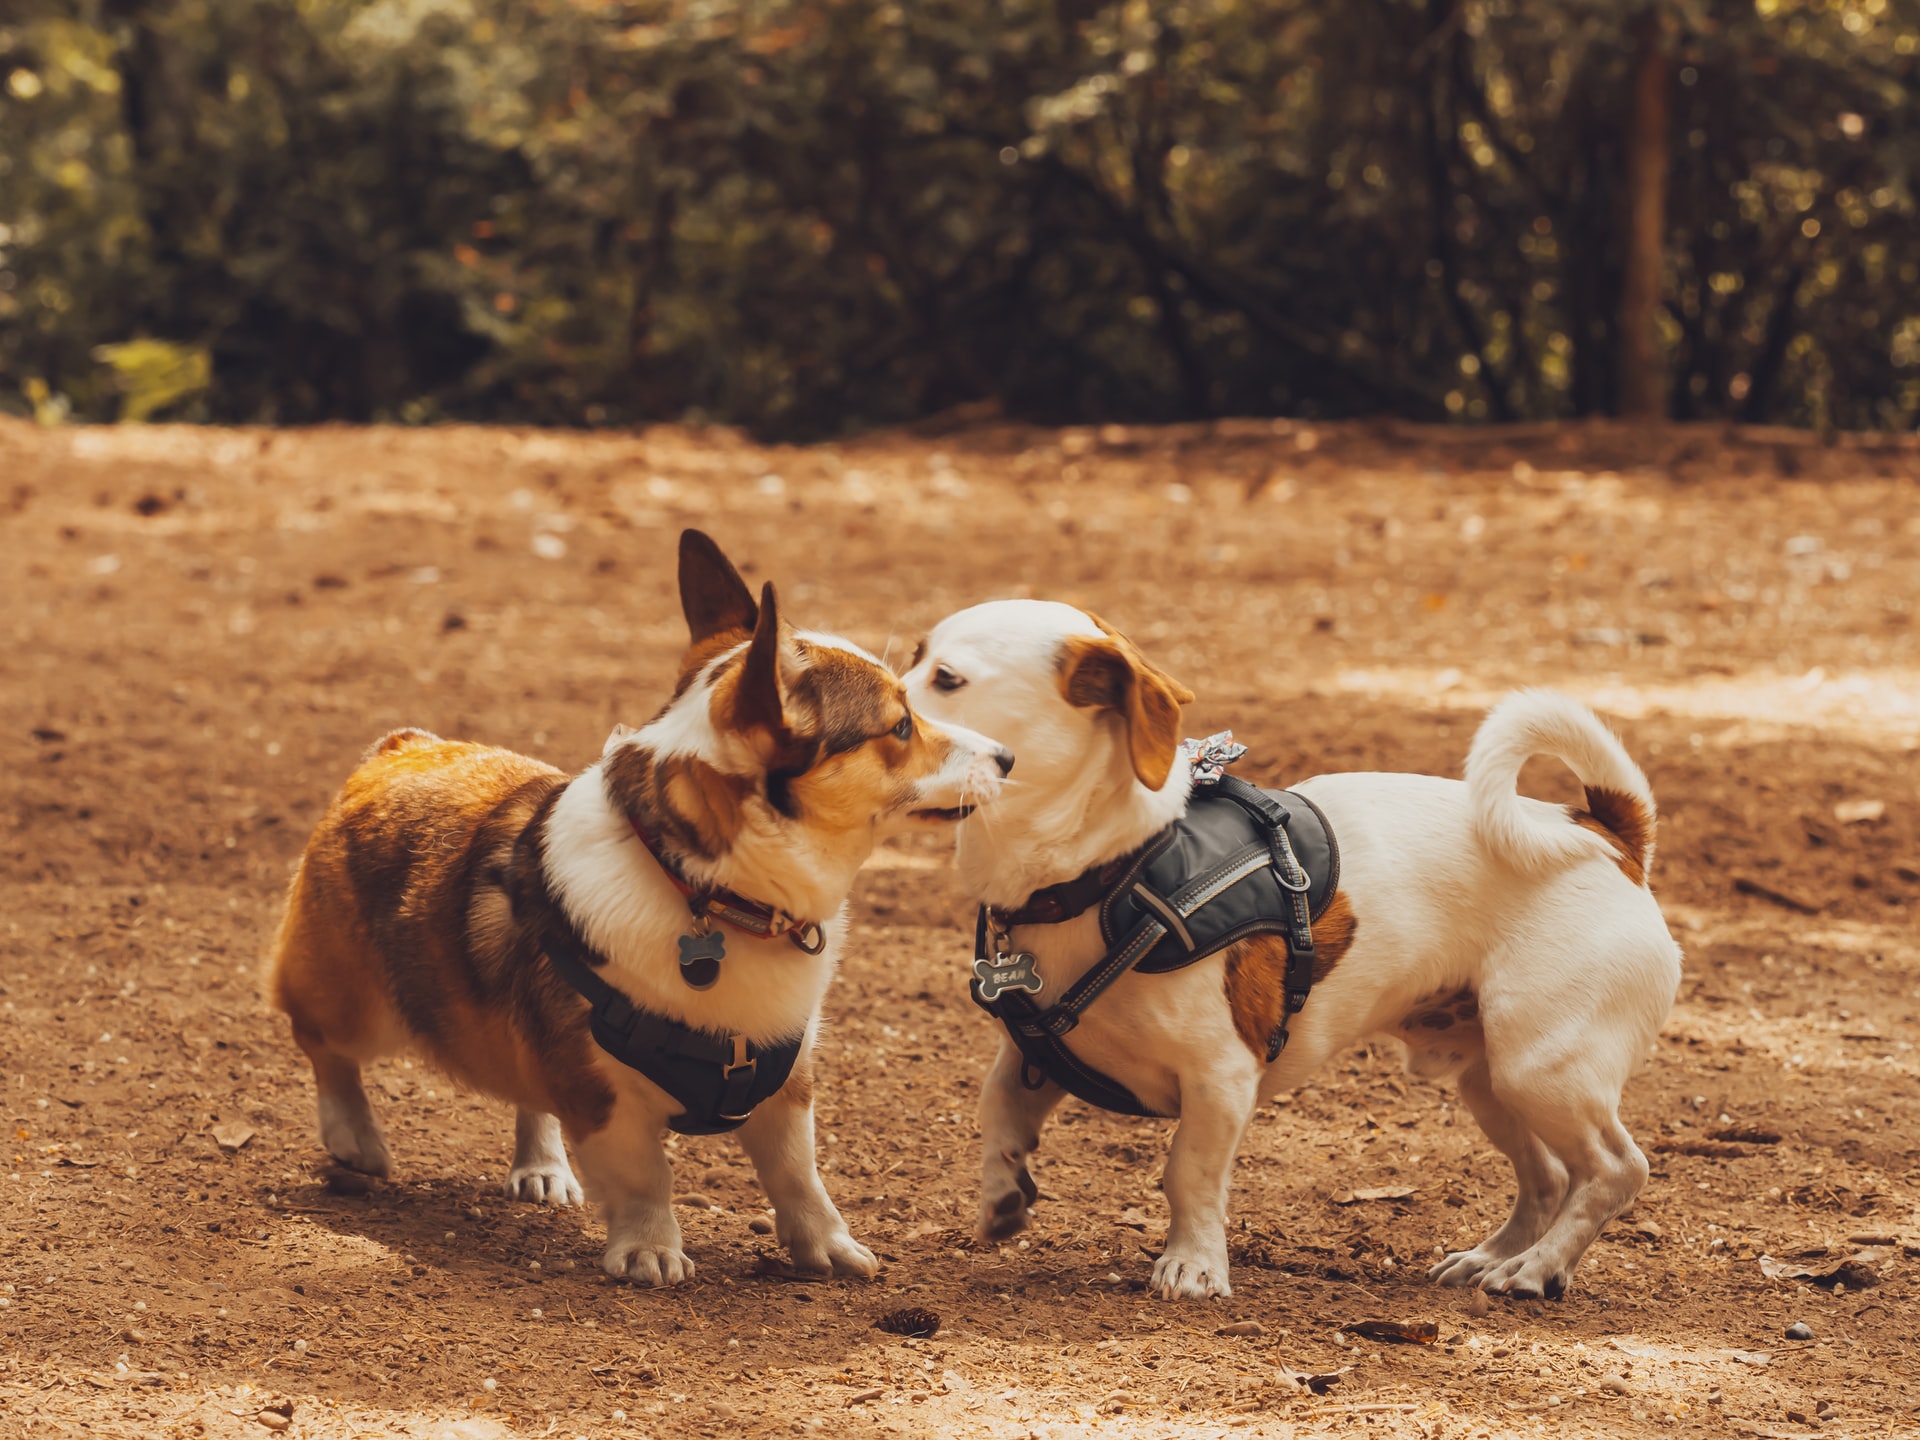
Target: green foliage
{"x": 155, "y": 374}
{"x": 805, "y": 215}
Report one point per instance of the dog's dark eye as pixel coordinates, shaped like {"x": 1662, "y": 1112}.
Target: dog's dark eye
{"x": 904, "y": 730}
{"x": 945, "y": 680}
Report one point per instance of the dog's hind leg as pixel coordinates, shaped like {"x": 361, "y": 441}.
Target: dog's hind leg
{"x": 1562, "y": 1080}
{"x": 540, "y": 1171}
{"x": 1605, "y": 1171}
{"x": 347, "y": 1125}
{"x": 1542, "y": 1180}
{"x": 324, "y": 980}
{"x": 1010, "y": 1119}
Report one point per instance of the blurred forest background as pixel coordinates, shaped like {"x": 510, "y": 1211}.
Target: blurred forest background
{"x": 810, "y": 215}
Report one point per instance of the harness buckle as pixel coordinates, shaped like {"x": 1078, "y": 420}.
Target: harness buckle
{"x": 741, "y": 1060}
{"x": 808, "y": 937}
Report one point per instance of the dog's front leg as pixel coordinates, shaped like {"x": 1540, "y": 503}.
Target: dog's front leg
{"x": 778, "y": 1138}
{"x": 1010, "y": 1119}
{"x": 1214, "y": 1110}
{"x": 626, "y": 1168}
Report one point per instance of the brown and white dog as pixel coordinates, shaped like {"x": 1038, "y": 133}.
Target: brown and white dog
{"x": 1504, "y": 941}
{"x": 417, "y": 915}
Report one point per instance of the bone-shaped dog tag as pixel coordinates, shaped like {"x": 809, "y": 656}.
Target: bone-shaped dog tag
{"x": 700, "y": 957}
{"x": 1004, "y": 973}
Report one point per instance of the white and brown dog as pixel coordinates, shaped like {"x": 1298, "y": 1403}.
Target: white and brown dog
{"x": 427, "y": 909}
{"x": 1507, "y": 942}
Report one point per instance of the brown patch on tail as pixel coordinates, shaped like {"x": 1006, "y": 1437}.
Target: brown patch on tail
{"x": 1624, "y": 823}
{"x": 1257, "y": 971}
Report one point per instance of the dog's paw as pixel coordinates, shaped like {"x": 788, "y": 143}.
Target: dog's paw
{"x": 835, "y": 1252}
{"x": 1010, "y": 1211}
{"x": 544, "y": 1184}
{"x": 646, "y": 1264}
{"x": 352, "y": 1136}
{"x": 1461, "y": 1267}
{"x": 1528, "y": 1276}
{"x": 1188, "y": 1277}
{"x": 1003, "y": 1218}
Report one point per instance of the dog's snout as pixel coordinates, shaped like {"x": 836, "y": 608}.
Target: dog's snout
{"x": 1003, "y": 757}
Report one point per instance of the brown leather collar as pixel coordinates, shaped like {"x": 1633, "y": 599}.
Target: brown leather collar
{"x": 755, "y": 917}
{"x": 1059, "y": 903}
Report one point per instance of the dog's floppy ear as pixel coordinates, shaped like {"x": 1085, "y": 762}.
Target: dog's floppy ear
{"x": 713, "y": 597}
{"x": 1108, "y": 672}
{"x": 758, "y": 703}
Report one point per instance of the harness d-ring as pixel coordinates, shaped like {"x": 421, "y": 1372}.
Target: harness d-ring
{"x": 1306, "y": 881}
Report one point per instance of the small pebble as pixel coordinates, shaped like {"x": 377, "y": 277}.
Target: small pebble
{"x": 619, "y": 1415}
{"x": 489, "y": 1384}
{"x": 1478, "y": 1304}
{"x": 273, "y": 1419}
{"x": 300, "y": 1346}
{"x": 760, "y": 1225}
{"x": 1799, "y": 1330}
{"x": 698, "y": 1202}
{"x": 450, "y": 1236}
{"x": 473, "y": 1212}
{"x": 1242, "y": 1327}
{"x": 1614, "y": 1385}
{"x": 533, "y": 1264}
{"x": 537, "y": 1315}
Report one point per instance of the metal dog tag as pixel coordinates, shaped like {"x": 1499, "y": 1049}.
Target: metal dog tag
{"x": 1004, "y": 973}
{"x": 700, "y": 957}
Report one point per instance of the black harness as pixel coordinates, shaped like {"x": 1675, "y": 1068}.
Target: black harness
{"x": 717, "y": 1079}
{"x": 1242, "y": 861}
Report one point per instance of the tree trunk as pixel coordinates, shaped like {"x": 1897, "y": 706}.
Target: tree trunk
{"x": 1642, "y": 385}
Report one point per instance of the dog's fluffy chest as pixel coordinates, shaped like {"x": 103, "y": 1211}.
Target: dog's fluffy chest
{"x": 627, "y": 909}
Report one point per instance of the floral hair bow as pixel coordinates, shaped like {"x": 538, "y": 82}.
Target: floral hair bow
{"x": 1210, "y": 757}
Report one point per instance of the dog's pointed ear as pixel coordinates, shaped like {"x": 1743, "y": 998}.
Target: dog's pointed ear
{"x": 713, "y": 597}
{"x": 759, "y": 702}
{"x": 1106, "y": 671}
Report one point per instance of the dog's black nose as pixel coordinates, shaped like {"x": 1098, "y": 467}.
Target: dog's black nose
{"x": 1003, "y": 757}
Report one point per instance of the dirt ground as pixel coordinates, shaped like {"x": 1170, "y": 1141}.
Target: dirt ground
{"x": 203, "y": 628}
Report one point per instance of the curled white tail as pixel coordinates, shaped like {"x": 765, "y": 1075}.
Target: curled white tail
{"x": 1618, "y": 822}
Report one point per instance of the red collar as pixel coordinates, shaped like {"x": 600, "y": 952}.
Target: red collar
{"x": 768, "y": 922}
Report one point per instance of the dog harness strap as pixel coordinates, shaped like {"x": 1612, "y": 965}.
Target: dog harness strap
{"x": 717, "y": 1079}
{"x": 1058, "y": 903}
{"x": 1241, "y": 862}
